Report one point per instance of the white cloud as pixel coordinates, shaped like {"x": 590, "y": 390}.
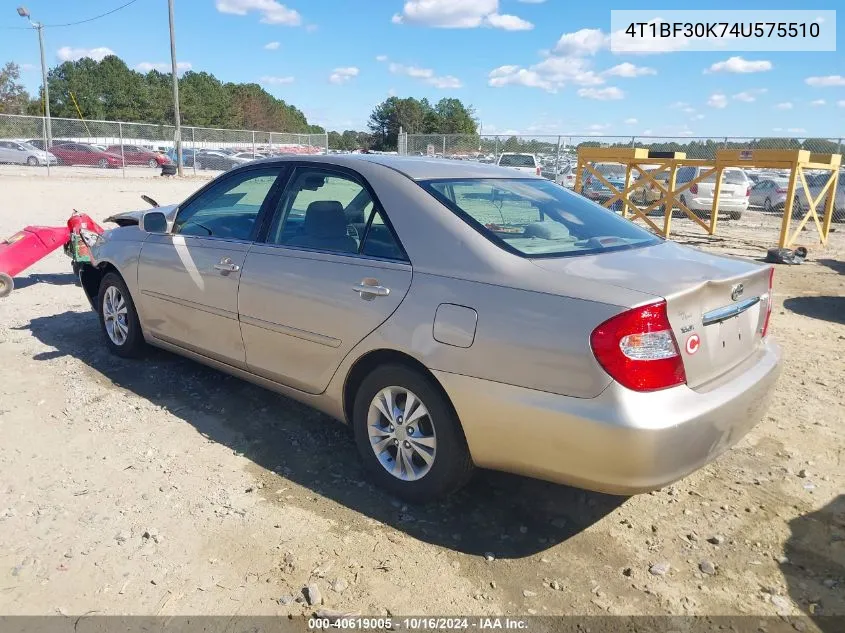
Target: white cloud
{"x": 688, "y": 110}
{"x": 272, "y": 46}
{"x": 797, "y": 130}
{"x": 841, "y": 103}
{"x": 818, "y": 102}
{"x": 551, "y": 74}
{"x": 272, "y": 12}
{"x": 749, "y": 96}
{"x": 631, "y": 121}
{"x": 597, "y": 127}
{"x": 342, "y": 75}
{"x": 825, "y": 82}
{"x": 786, "y": 105}
{"x": 610, "y": 93}
{"x": 163, "y": 67}
{"x": 581, "y": 43}
{"x": 70, "y": 54}
{"x": 381, "y": 58}
{"x": 276, "y": 81}
{"x": 425, "y": 74}
{"x": 697, "y": 117}
{"x": 647, "y": 132}
{"x": 620, "y": 43}
{"x": 627, "y": 69}
{"x": 508, "y": 22}
{"x": 459, "y": 14}
{"x": 717, "y": 100}
{"x": 678, "y": 104}
{"x": 740, "y": 65}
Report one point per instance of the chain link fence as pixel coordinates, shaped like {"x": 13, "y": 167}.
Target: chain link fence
{"x": 557, "y": 157}
{"x": 117, "y": 147}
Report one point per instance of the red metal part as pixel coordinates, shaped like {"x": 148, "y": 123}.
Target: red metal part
{"x": 33, "y": 243}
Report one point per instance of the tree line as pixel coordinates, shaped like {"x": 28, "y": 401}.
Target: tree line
{"x": 109, "y": 90}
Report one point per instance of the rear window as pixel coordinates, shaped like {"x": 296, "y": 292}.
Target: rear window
{"x": 537, "y": 218}
{"x": 517, "y": 160}
{"x": 734, "y": 177}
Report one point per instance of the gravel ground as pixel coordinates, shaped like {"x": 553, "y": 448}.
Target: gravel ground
{"x": 163, "y": 487}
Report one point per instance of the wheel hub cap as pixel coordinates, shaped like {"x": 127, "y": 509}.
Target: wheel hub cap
{"x": 115, "y": 316}
{"x": 401, "y": 433}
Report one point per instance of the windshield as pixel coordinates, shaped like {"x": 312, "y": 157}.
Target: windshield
{"x": 537, "y": 218}
{"x": 516, "y": 160}
{"x": 29, "y": 147}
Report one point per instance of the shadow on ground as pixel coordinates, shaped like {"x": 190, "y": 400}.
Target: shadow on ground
{"x": 815, "y": 566}
{"x": 824, "y": 308}
{"x": 834, "y": 264}
{"x": 54, "y": 279}
{"x": 506, "y": 514}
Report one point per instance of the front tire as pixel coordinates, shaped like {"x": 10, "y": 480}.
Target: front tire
{"x": 409, "y": 436}
{"x": 153, "y": 163}
{"x": 32, "y": 161}
{"x": 103, "y": 163}
{"x": 767, "y": 206}
{"x": 736, "y": 215}
{"x": 118, "y": 318}
{"x": 7, "y": 284}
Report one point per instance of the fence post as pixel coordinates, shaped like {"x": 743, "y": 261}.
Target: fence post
{"x": 444, "y": 146}
{"x": 194, "y": 148}
{"x": 496, "y": 149}
{"x": 122, "y": 157}
{"x": 46, "y": 147}
{"x": 633, "y": 142}
{"x": 839, "y": 146}
{"x": 557, "y": 161}
{"x": 326, "y": 137}
{"x": 253, "y": 143}
{"x": 726, "y": 143}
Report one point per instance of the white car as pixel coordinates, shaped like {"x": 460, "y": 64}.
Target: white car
{"x": 733, "y": 200}
{"x": 24, "y": 154}
{"x": 520, "y": 162}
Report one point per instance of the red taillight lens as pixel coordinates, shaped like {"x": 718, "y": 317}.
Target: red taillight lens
{"x": 588, "y": 182}
{"x": 538, "y": 171}
{"x": 780, "y": 190}
{"x": 765, "y": 329}
{"x": 638, "y": 350}
{"x": 694, "y": 189}
{"x": 748, "y": 192}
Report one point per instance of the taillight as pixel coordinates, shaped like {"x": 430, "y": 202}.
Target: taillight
{"x": 588, "y": 182}
{"x": 538, "y": 171}
{"x": 748, "y": 192}
{"x": 781, "y": 190}
{"x": 765, "y": 329}
{"x": 694, "y": 189}
{"x": 638, "y": 350}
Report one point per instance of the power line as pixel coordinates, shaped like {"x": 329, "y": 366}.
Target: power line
{"x": 56, "y": 26}
{"x": 97, "y": 17}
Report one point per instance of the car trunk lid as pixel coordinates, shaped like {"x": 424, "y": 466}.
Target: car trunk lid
{"x": 716, "y": 305}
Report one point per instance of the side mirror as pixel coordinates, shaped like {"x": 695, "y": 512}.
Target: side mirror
{"x": 155, "y": 222}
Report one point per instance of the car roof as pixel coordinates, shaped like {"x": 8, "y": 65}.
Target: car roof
{"x": 415, "y": 168}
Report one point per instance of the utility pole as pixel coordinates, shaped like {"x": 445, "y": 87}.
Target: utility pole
{"x": 178, "y": 135}
{"x": 24, "y": 13}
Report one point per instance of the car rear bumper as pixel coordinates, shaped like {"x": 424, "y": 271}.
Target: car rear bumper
{"x": 620, "y": 442}
{"x": 726, "y": 205}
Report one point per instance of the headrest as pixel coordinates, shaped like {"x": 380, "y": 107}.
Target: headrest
{"x": 325, "y": 218}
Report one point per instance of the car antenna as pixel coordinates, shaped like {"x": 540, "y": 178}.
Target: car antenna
{"x": 149, "y": 201}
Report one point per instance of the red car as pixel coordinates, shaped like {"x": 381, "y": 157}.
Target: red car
{"x": 136, "y": 155}
{"x": 82, "y": 154}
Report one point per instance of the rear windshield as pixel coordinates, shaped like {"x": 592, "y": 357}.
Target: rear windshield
{"x": 516, "y": 160}
{"x": 734, "y": 177}
{"x": 537, "y": 218}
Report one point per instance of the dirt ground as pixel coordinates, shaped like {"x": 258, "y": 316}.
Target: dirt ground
{"x": 163, "y": 487}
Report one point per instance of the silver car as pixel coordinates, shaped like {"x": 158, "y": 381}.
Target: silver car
{"x": 454, "y": 314}
{"x": 770, "y": 194}
{"x": 24, "y": 154}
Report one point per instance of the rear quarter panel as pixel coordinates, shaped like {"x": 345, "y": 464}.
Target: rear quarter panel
{"x": 121, "y": 248}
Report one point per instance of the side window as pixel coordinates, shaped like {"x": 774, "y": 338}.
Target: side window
{"x": 229, "y": 209}
{"x": 380, "y": 241}
{"x": 321, "y": 210}
{"x": 684, "y": 174}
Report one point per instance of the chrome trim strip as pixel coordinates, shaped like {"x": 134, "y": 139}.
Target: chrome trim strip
{"x": 313, "y": 337}
{"x": 723, "y": 314}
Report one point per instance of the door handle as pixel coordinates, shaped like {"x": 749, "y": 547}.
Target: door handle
{"x": 369, "y": 291}
{"x": 226, "y": 265}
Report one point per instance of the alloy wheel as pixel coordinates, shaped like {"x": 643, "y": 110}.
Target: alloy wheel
{"x": 401, "y": 433}
{"x": 115, "y": 315}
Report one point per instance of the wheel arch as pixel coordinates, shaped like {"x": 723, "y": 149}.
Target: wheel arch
{"x": 91, "y": 276}
{"x": 368, "y": 362}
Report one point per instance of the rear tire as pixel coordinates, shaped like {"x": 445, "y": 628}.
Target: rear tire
{"x": 435, "y": 461}
{"x": 153, "y": 163}
{"x": 736, "y": 215}
{"x": 32, "y": 161}
{"x": 7, "y": 284}
{"x": 103, "y": 163}
{"x": 119, "y": 319}
{"x": 767, "y": 205}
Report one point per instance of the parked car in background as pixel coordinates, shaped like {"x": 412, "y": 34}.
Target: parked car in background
{"x": 83, "y": 154}
{"x": 521, "y": 162}
{"x": 136, "y": 155}
{"x": 187, "y": 156}
{"x": 20, "y": 153}
{"x": 646, "y": 191}
{"x": 816, "y": 182}
{"x": 566, "y": 176}
{"x": 629, "y": 360}
{"x": 698, "y": 198}
{"x": 595, "y": 189}
{"x": 215, "y": 159}
{"x": 770, "y": 194}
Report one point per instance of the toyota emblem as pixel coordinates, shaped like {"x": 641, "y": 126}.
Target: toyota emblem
{"x": 736, "y": 291}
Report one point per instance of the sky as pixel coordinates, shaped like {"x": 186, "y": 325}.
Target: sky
{"x": 526, "y": 66}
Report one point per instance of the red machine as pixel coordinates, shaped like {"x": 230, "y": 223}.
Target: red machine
{"x": 33, "y": 243}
